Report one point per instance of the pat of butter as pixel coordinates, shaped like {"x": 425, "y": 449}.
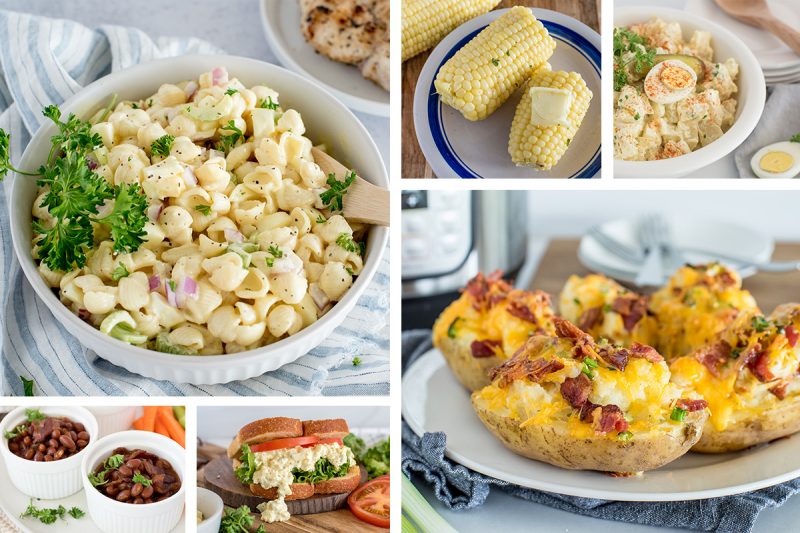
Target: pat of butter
{"x": 550, "y": 107}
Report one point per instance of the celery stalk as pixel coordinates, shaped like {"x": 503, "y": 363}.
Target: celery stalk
{"x": 420, "y": 511}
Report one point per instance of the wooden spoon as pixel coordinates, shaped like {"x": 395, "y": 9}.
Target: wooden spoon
{"x": 757, "y": 13}
{"x": 363, "y": 202}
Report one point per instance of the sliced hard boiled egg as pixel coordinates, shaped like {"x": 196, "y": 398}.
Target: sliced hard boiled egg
{"x": 669, "y": 82}
{"x": 550, "y": 107}
{"x": 779, "y": 160}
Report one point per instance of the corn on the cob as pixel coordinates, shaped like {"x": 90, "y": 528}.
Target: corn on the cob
{"x": 481, "y": 76}
{"x": 426, "y": 22}
{"x": 530, "y": 144}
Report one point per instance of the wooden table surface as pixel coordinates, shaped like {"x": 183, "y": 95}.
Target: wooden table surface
{"x": 413, "y": 161}
{"x": 769, "y": 289}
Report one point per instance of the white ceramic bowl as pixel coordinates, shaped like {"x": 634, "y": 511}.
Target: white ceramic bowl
{"x": 112, "y": 419}
{"x": 328, "y": 121}
{"x": 210, "y": 504}
{"x": 54, "y": 479}
{"x": 112, "y": 516}
{"x": 751, "y": 97}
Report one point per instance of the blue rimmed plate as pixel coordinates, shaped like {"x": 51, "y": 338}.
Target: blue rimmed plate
{"x": 458, "y": 148}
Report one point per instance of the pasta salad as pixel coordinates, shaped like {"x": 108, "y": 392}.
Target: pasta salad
{"x": 220, "y": 233}
{"x": 670, "y": 96}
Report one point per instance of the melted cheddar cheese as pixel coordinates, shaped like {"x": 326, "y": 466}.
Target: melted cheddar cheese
{"x": 723, "y": 402}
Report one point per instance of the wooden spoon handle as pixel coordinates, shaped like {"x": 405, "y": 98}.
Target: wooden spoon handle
{"x": 784, "y": 32}
{"x": 363, "y": 202}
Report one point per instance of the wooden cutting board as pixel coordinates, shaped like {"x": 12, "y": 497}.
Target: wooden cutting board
{"x": 234, "y": 494}
{"x": 769, "y": 289}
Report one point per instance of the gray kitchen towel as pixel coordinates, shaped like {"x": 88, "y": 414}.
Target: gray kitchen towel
{"x": 460, "y": 488}
{"x": 779, "y": 122}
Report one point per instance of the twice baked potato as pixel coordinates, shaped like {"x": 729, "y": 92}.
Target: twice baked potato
{"x": 697, "y": 303}
{"x": 487, "y": 324}
{"x": 579, "y": 404}
{"x": 605, "y": 309}
{"x": 749, "y": 376}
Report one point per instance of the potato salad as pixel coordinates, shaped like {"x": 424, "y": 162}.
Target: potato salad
{"x": 671, "y": 96}
{"x": 223, "y": 235}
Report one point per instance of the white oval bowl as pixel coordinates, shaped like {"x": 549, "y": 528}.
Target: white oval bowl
{"x": 210, "y": 504}
{"x": 328, "y": 121}
{"x": 112, "y": 516}
{"x": 751, "y": 98}
{"x": 48, "y": 480}
{"x": 111, "y": 419}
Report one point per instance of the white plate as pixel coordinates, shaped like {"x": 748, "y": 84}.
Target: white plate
{"x": 770, "y": 51}
{"x": 691, "y": 232}
{"x": 458, "y": 148}
{"x": 14, "y": 503}
{"x": 433, "y": 400}
{"x": 281, "y": 21}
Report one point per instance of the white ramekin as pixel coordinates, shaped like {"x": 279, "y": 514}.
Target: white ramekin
{"x": 112, "y": 516}
{"x": 54, "y": 479}
{"x": 210, "y": 504}
{"x": 113, "y": 418}
{"x": 328, "y": 121}
{"x": 751, "y": 97}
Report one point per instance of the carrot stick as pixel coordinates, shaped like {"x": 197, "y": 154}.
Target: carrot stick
{"x": 149, "y": 417}
{"x": 176, "y": 432}
{"x": 139, "y": 424}
{"x": 160, "y": 428}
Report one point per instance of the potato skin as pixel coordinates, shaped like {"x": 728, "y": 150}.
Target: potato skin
{"x": 553, "y": 444}
{"x": 778, "y": 422}
{"x": 472, "y": 372}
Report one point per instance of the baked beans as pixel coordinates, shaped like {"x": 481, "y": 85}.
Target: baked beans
{"x": 48, "y": 439}
{"x": 136, "y": 477}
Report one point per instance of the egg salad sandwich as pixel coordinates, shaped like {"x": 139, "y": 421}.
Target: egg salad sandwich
{"x": 282, "y": 459}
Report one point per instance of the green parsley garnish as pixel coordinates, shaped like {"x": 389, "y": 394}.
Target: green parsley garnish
{"x": 268, "y": 104}
{"x": 162, "y": 145}
{"x": 34, "y": 415}
{"x": 46, "y": 516}
{"x": 678, "y": 414}
{"x": 120, "y": 272}
{"x": 227, "y": 142}
{"x": 76, "y": 513}
{"x": 495, "y": 62}
{"x": 139, "y": 478}
{"x": 759, "y": 323}
{"x": 637, "y": 116}
{"x": 231, "y": 92}
{"x": 356, "y": 361}
{"x": 625, "y": 436}
{"x": 332, "y": 198}
{"x": 112, "y": 463}
{"x": 204, "y": 209}
{"x": 795, "y": 138}
{"x": 275, "y": 252}
{"x": 626, "y": 41}
{"x": 345, "y": 240}
{"x": 27, "y": 386}
{"x": 238, "y": 521}
{"x": 75, "y": 194}
{"x": 576, "y": 301}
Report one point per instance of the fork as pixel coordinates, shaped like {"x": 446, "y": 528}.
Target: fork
{"x": 616, "y": 247}
{"x": 652, "y": 233}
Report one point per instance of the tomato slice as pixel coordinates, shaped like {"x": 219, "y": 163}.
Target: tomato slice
{"x": 370, "y": 502}
{"x": 279, "y": 444}
{"x": 328, "y": 441}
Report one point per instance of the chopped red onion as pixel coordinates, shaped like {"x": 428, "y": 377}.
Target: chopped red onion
{"x": 190, "y": 89}
{"x": 318, "y": 295}
{"x": 155, "y": 282}
{"x": 91, "y": 162}
{"x": 189, "y": 177}
{"x": 189, "y": 287}
{"x": 232, "y": 235}
{"x": 154, "y": 211}
{"x": 219, "y": 75}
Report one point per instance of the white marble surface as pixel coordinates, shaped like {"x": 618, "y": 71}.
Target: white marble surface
{"x": 233, "y": 25}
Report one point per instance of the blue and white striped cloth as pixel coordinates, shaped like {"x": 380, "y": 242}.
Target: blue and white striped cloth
{"x": 44, "y": 61}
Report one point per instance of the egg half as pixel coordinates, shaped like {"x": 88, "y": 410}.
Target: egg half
{"x": 779, "y": 160}
{"x": 669, "y": 82}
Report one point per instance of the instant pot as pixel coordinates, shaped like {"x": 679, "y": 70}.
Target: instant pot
{"x": 448, "y": 237}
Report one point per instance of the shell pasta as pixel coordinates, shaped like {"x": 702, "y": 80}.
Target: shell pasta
{"x": 240, "y": 248}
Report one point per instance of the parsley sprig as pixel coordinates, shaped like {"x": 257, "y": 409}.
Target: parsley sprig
{"x": 239, "y": 521}
{"x": 112, "y": 463}
{"x": 75, "y": 194}
{"x": 49, "y": 516}
{"x": 643, "y": 58}
{"x": 227, "y": 142}
{"x": 333, "y": 197}
{"x": 162, "y": 145}
{"x": 268, "y": 104}
{"x": 143, "y": 481}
